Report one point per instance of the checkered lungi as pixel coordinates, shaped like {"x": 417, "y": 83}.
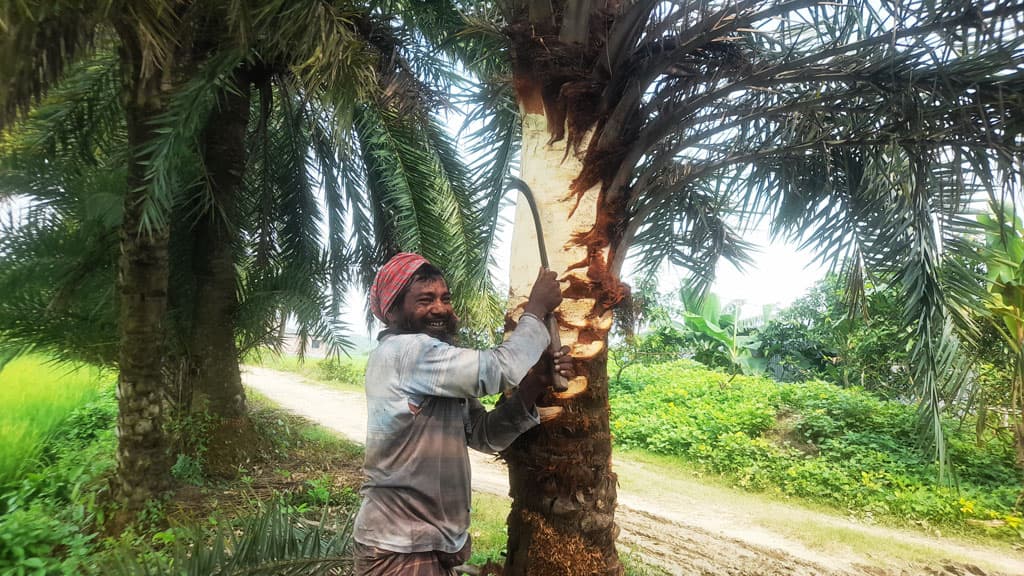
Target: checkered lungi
{"x": 373, "y": 561}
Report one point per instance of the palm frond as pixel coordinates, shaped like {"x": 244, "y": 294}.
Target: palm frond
{"x": 273, "y": 542}
{"x": 79, "y": 126}
{"x": 173, "y": 163}
{"x": 56, "y": 277}
{"x": 286, "y": 267}
{"x": 425, "y": 204}
{"x": 38, "y": 42}
{"x": 321, "y": 45}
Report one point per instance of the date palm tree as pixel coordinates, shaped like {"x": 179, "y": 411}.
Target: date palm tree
{"x": 650, "y": 129}
{"x": 258, "y": 113}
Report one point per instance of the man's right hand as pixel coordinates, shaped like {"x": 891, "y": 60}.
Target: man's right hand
{"x": 545, "y": 295}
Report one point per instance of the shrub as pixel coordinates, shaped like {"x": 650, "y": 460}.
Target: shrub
{"x": 46, "y": 516}
{"x": 347, "y": 371}
{"x": 840, "y": 446}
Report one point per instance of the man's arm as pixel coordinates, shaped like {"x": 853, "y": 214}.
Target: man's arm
{"x": 438, "y": 369}
{"x": 434, "y": 368}
{"x": 491, "y": 432}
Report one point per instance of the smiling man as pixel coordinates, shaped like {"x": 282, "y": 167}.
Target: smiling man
{"x": 423, "y": 413}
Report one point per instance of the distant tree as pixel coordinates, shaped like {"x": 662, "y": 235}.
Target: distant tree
{"x": 1003, "y": 256}
{"x": 821, "y": 336}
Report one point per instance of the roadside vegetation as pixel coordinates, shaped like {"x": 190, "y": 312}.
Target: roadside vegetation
{"x": 36, "y": 397}
{"x": 55, "y": 511}
{"x": 843, "y": 447}
{"x": 807, "y": 403}
{"x": 294, "y": 500}
{"x": 847, "y": 449}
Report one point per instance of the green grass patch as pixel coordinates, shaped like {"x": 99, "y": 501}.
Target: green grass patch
{"x": 37, "y": 396}
{"x": 487, "y": 527}
{"x": 341, "y": 373}
{"x": 815, "y": 441}
{"x": 48, "y": 515}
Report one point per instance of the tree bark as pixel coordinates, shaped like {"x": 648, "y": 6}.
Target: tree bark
{"x": 564, "y": 491}
{"x": 143, "y": 460}
{"x": 562, "y": 486}
{"x": 217, "y": 384}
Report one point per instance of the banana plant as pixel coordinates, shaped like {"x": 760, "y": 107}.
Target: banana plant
{"x": 1003, "y": 255}
{"x": 717, "y": 332}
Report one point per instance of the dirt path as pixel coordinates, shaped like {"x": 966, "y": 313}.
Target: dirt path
{"x": 687, "y": 527}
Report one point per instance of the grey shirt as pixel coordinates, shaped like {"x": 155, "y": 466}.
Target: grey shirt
{"x": 422, "y": 414}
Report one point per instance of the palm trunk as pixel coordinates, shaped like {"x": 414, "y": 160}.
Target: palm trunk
{"x": 217, "y": 383}
{"x": 563, "y": 490}
{"x": 562, "y": 486}
{"x": 143, "y": 462}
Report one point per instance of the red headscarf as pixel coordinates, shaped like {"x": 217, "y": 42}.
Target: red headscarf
{"x": 391, "y": 279}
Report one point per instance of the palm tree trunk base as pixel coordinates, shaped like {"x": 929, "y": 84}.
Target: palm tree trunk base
{"x": 231, "y": 445}
{"x": 546, "y": 550}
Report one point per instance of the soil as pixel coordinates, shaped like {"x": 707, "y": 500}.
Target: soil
{"x": 683, "y": 527}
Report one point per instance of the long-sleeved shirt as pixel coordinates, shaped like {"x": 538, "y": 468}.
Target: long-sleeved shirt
{"x": 422, "y": 413}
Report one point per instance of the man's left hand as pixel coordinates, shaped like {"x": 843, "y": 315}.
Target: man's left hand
{"x": 564, "y": 364}
{"x": 538, "y": 380}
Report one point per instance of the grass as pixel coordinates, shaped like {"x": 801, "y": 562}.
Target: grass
{"x": 341, "y": 373}
{"x": 37, "y": 396}
{"x": 487, "y": 527}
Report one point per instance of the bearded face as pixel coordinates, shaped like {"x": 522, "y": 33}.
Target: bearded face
{"x": 426, "y": 309}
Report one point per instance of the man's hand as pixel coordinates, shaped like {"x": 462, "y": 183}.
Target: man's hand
{"x": 563, "y": 363}
{"x": 537, "y": 381}
{"x": 545, "y": 295}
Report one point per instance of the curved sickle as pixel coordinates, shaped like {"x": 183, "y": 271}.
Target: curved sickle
{"x": 560, "y": 384}
{"x": 517, "y": 184}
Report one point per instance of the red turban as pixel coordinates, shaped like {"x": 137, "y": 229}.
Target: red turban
{"x": 391, "y": 279}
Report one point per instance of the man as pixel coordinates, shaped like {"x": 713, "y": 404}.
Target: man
{"x": 423, "y": 412}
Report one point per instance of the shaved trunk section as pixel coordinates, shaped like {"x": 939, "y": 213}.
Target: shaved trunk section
{"x": 562, "y": 486}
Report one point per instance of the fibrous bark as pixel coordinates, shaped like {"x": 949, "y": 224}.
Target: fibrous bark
{"x": 216, "y": 383}
{"x": 143, "y": 464}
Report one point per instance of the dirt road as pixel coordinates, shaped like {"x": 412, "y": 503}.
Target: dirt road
{"x": 690, "y": 528}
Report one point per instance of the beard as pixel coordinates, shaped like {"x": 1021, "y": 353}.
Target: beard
{"x": 444, "y": 328}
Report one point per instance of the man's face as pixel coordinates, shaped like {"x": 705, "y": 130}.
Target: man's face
{"x": 427, "y": 309}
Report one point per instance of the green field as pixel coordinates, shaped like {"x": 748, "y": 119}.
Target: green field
{"x": 36, "y": 396}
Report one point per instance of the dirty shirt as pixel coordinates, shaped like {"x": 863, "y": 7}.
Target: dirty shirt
{"x": 422, "y": 412}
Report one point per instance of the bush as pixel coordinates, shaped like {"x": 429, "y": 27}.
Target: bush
{"x": 840, "y": 446}
{"x": 48, "y": 513}
{"x": 346, "y": 371}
